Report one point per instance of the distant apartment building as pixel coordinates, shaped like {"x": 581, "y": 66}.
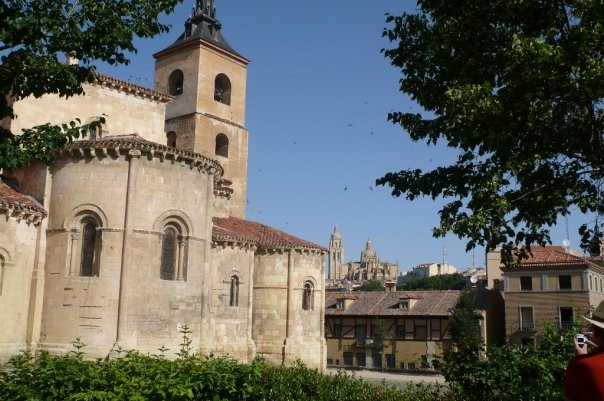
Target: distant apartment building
{"x": 398, "y": 329}
{"x": 427, "y": 270}
{"x": 476, "y": 277}
{"x": 553, "y": 286}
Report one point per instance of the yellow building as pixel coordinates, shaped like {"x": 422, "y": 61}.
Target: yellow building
{"x": 412, "y": 324}
{"x": 553, "y": 286}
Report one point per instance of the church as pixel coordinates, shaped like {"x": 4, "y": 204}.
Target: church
{"x": 369, "y": 267}
{"x": 140, "y": 229}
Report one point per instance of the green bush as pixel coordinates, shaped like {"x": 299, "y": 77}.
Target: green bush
{"x": 505, "y": 373}
{"x": 134, "y": 376}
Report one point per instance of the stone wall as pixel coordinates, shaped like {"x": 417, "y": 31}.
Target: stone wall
{"x": 17, "y": 257}
{"x": 284, "y": 331}
{"x": 133, "y": 198}
{"x": 145, "y": 115}
{"x": 231, "y": 332}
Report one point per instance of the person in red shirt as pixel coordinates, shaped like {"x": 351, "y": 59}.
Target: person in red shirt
{"x": 584, "y": 379}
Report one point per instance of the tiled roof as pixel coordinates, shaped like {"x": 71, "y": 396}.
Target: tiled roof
{"x": 383, "y": 303}
{"x": 11, "y": 196}
{"x": 232, "y": 228}
{"x": 547, "y": 257}
{"x": 133, "y": 141}
{"x": 132, "y": 88}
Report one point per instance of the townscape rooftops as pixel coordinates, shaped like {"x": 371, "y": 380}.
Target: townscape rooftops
{"x": 383, "y": 303}
{"x": 548, "y": 257}
{"x": 12, "y": 196}
{"x": 233, "y": 228}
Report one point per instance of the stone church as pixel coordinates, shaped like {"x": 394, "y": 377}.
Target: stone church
{"x": 139, "y": 229}
{"x": 369, "y": 267}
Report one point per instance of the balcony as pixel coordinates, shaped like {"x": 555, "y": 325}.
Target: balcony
{"x": 368, "y": 343}
{"x": 526, "y": 326}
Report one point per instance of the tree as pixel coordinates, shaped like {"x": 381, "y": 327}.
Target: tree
{"x": 371, "y": 285}
{"x": 455, "y": 281}
{"x": 517, "y": 88}
{"x": 35, "y": 34}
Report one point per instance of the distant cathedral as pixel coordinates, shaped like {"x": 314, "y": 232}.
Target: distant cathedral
{"x": 368, "y": 268}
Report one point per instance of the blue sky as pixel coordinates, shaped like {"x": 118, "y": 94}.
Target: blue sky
{"x": 317, "y": 99}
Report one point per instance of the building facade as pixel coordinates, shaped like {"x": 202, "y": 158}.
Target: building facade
{"x": 139, "y": 229}
{"x": 388, "y": 330}
{"x": 369, "y": 267}
{"x": 427, "y": 270}
{"x": 553, "y": 286}
{"x": 400, "y": 330}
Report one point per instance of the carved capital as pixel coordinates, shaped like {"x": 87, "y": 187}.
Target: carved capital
{"x": 134, "y": 154}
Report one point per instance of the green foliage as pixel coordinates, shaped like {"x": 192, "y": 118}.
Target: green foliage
{"x": 34, "y": 34}
{"x": 454, "y": 281}
{"x": 464, "y": 326}
{"x": 516, "y": 87}
{"x": 511, "y": 373}
{"x": 138, "y": 377}
{"x": 371, "y": 285}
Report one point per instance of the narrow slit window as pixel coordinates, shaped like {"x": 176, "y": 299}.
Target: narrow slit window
{"x": 168, "y": 254}
{"x": 234, "y": 292}
{"x": 89, "y": 239}
{"x": 307, "y": 297}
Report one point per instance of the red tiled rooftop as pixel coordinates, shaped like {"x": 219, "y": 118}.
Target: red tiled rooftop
{"x": 382, "y": 303}
{"x": 134, "y": 88}
{"x": 233, "y": 228}
{"x": 12, "y": 195}
{"x": 543, "y": 256}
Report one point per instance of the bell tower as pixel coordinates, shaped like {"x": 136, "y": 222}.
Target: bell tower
{"x": 207, "y": 77}
{"x": 336, "y": 255}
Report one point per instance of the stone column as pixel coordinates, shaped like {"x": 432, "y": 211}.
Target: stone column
{"x": 181, "y": 257}
{"x": 207, "y": 279}
{"x": 321, "y": 308}
{"x": 122, "y": 336}
{"x": 73, "y": 257}
{"x": 250, "y": 302}
{"x": 36, "y": 295}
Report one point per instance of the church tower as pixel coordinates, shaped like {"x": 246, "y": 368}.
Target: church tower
{"x": 336, "y": 255}
{"x": 207, "y": 78}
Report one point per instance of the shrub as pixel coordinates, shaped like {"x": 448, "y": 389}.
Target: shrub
{"x": 134, "y": 376}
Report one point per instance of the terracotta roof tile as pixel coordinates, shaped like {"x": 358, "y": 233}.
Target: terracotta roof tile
{"x": 382, "y": 303}
{"x": 232, "y": 228}
{"x": 547, "y": 257}
{"x": 12, "y": 195}
{"x": 130, "y": 87}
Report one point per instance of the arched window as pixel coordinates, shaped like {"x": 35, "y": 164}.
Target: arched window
{"x": 307, "y": 296}
{"x": 222, "y": 89}
{"x": 171, "y": 139}
{"x": 234, "y": 292}
{"x": 88, "y": 265}
{"x": 175, "y": 83}
{"x": 169, "y": 247}
{"x": 222, "y": 145}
